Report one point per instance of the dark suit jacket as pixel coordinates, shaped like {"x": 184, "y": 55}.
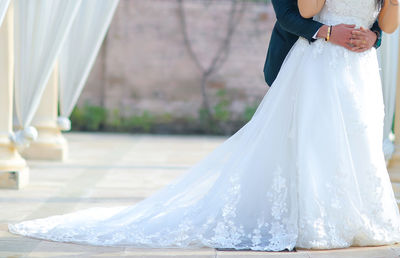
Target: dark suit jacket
{"x": 289, "y": 27}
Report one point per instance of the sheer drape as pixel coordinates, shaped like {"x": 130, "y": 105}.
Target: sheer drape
{"x": 388, "y": 59}
{"x": 41, "y": 27}
{"x": 3, "y": 9}
{"x": 80, "y": 50}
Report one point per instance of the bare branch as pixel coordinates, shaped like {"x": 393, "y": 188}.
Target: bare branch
{"x": 223, "y": 51}
{"x": 182, "y": 19}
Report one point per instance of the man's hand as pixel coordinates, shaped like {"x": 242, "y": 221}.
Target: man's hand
{"x": 362, "y": 39}
{"x": 340, "y": 35}
{"x": 356, "y": 40}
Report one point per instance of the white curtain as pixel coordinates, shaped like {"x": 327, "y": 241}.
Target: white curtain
{"x": 40, "y": 29}
{"x": 3, "y": 9}
{"x": 388, "y": 59}
{"x": 80, "y": 50}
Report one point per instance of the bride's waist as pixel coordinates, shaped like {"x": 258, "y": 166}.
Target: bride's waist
{"x": 331, "y": 19}
{"x": 322, "y": 47}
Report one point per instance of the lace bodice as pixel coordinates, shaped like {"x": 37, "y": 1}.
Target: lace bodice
{"x": 358, "y": 12}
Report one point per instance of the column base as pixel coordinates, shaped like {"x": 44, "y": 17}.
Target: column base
{"x": 14, "y": 173}
{"x": 50, "y": 145}
{"x": 14, "y": 179}
{"x": 394, "y": 173}
{"x": 396, "y": 189}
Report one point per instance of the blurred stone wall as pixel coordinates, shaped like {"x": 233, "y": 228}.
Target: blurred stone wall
{"x": 144, "y": 66}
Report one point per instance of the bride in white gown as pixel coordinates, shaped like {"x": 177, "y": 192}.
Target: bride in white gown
{"x": 308, "y": 169}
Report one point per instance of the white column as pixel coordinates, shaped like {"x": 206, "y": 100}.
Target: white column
{"x": 50, "y": 144}
{"x": 394, "y": 163}
{"x": 388, "y": 55}
{"x": 14, "y": 172}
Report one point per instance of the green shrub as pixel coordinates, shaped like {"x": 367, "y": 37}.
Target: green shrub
{"x": 142, "y": 122}
{"x": 88, "y": 118}
{"x": 221, "y": 109}
{"x": 249, "y": 112}
{"x": 95, "y": 118}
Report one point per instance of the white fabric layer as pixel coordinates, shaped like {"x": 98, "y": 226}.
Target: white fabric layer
{"x": 3, "y": 9}
{"x": 388, "y": 60}
{"x": 307, "y": 170}
{"x": 40, "y": 29}
{"x": 80, "y": 49}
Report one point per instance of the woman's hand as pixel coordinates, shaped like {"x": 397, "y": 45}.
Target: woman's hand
{"x": 389, "y": 17}
{"x": 309, "y": 8}
{"x": 362, "y": 39}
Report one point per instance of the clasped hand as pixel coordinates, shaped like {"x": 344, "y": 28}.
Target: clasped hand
{"x": 350, "y": 37}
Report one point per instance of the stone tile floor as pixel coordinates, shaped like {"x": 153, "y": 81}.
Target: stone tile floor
{"x": 113, "y": 170}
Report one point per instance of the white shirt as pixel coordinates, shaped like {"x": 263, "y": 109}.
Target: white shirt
{"x": 315, "y": 35}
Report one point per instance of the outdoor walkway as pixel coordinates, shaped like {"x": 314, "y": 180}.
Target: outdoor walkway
{"x": 114, "y": 170}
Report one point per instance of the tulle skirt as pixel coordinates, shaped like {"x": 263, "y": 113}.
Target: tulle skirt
{"x": 307, "y": 170}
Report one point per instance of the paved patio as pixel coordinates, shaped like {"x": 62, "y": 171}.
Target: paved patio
{"x": 115, "y": 170}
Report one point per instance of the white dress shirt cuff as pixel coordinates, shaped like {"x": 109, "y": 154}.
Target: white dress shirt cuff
{"x": 315, "y": 35}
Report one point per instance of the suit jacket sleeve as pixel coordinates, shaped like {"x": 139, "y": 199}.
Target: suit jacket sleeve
{"x": 289, "y": 18}
{"x": 378, "y": 29}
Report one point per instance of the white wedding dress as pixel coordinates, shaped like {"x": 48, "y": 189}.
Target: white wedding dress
{"x": 308, "y": 169}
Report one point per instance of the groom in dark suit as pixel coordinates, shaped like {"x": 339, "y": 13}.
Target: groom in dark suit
{"x": 291, "y": 25}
